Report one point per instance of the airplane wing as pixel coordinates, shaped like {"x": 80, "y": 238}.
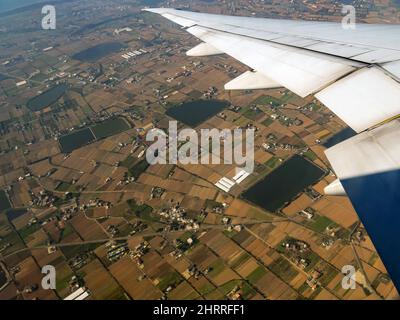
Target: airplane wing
{"x": 355, "y": 73}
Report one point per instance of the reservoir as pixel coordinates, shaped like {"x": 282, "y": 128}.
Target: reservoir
{"x": 339, "y": 137}
{"x": 110, "y": 127}
{"x": 75, "y": 140}
{"x": 284, "y": 183}
{"x": 47, "y": 98}
{"x": 98, "y": 51}
{"x": 82, "y": 137}
{"x": 195, "y": 112}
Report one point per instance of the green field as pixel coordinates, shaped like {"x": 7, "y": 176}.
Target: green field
{"x": 240, "y": 260}
{"x": 142, "y": 211}
{"x": 267, "y": 122}
{"x": 252, "y": 114}
{"x": 257, "y": 274}
{"x": 320, "y": 223}
{"x": 284, "y": 269}
{"x": 310, "y": 155}
{"x": 268, "y": 100}
{"x": 14, "y": 240}
{"x": 171, "y": 279}
{"x": 67, "y": 187}
{"x": 273, "y": 162}
{"x": 138, "y": 169}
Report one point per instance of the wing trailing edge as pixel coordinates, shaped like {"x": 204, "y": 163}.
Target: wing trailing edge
{"x": 251, "y": 80}
{"x": 203, "y": 50}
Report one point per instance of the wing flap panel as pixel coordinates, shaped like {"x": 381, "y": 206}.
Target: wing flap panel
{"x": 301, "y": 72}
{"x": 363, "y": 99}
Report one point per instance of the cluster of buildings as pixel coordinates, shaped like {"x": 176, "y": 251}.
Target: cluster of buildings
{"x": 230, "y": 227}
{"x": 296, "y": 246}
{"x": 193, "y": 271}
{"x": 44, "y": 199}
{"x": 302, "y": 263}
{"x": 137, "y": 226}
{"x": 210, "y": 93}
{"x": 176, "y": 217}
{"x": 126, "y": 180}
{"x": 96, "y": 203}
{"x": 113, "y": 230}
{"x": 156, "y": 193}
{"x": 116, "y": 250}
{"x": 140, "y": 250}
{"x": 69, "y": 208}
{"x": 235, "y": 293}
{"x": 312, "y": 279}
{"x": 313, "y": 194}
{"x": 286, "y": 121}
{"x": 184, "y": 73}
{"x": 79, "y": 261}
{"x": 235, "y": 109}
{"x": 182, "y": 245}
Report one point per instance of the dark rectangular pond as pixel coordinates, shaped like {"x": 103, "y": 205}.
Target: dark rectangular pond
{"x": 4, "y": 202}
{"x": 3, "y": 77}
{"x": 284, "y": 183}
{"x": 195, "y": 112}
{"x": 110, "y": 127}
{"x": 47, "y": 98}
{"x": 339, "y": 137}
{"x": 98, "y": 51}
{"x": 75, "y": 140}
{"x": 82, "y": 137}
{"x": 15, "y": 213}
